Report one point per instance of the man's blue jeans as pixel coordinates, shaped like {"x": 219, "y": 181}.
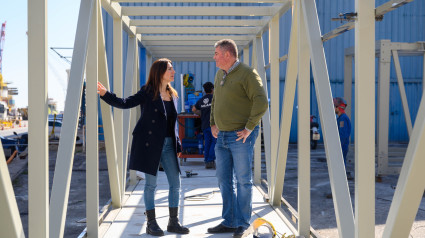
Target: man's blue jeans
{"x": 168, "y": 161}
{"x": 210, "y": 141}
{"x": 234, "y": 160}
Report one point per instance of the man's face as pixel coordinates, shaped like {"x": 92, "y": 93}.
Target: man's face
{"x": 219, "y": 57}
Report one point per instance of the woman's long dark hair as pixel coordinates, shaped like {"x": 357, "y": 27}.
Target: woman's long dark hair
{"x": 158, "y": 69}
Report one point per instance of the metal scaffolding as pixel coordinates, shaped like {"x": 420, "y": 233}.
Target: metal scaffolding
{"x": 192, "y": 40}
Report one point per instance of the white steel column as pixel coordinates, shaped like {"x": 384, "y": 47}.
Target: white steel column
{"x": 304, "y": 210}
{"x": 134, "y": 111}
{"x": 92, "y": 152}
{"x": 148, "y": 65}
{"x": 38, "y": 153}
{"x": 274, "y": 92}
{"x": 365, "y": 119}
{"x": 287, "y": 109}
{"x": 348, "y": 82}
{"x": 423, "y": 76}
{"x": 338, "y": 179}
{"x": 108, "y": 125}
{"x": 129, "y": 78}
{"x": 118, "y": 90}
{"x": 259, "y": 60}
{"x": 10, "y": 221}
{"x": 411, "y": 183}
{"x": 383, "y": 105}
{"x": 246, "y": 55}
{"x": 65, "y": 155}
{"x": 402, "y": 92}
{"x": 257, "y": 146}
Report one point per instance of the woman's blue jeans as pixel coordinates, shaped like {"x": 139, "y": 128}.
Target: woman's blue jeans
{"x": 169, "y": 163}
{"x": 234, "y": 160}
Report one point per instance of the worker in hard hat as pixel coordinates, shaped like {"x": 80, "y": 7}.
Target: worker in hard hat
{"x": 344, "y": 128}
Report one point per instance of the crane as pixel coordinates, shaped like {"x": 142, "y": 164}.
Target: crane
{"x": 2, "y": 35}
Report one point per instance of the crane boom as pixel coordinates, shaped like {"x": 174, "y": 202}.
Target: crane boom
{"x": 2, "y": 36}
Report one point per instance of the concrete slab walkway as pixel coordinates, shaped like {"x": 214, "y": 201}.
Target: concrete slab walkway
{"x": 200, "y": 206}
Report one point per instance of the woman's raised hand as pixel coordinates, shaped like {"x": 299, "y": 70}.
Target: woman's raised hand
{"x": 101, "y": 90}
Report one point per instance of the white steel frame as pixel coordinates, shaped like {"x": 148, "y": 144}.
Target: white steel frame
{"x": 306, "y": 45}
{"x": 385, "y": 49}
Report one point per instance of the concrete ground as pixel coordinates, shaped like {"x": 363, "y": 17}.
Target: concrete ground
{"x": 322, "y": 210}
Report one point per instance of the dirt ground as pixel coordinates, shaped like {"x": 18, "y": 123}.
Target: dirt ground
{"x": 323, "y": 218}
{"x": 77, "y": 194}
{"x": 322, "y": 209}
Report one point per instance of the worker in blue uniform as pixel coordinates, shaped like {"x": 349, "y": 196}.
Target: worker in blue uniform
{"x": 344, "y": 128}
{"x": 203, "y": 108}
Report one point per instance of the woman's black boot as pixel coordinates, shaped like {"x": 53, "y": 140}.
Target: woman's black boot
{"x": 174, "y": 224}
{"x": 153, "y": 228}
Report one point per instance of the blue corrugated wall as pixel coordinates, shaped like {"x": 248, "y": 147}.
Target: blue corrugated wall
{"x": 406, "y": 24}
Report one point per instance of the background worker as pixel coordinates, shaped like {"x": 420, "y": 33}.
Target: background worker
{"x": 203, "y": 108}
{"x": 344, "y": 128}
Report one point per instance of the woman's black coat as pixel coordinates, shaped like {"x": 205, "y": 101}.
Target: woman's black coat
{"x": 150, "y": 130}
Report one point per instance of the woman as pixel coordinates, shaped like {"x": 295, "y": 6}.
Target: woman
{"x": 155, "y": 139}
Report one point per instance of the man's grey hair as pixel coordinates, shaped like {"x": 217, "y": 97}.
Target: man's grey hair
{"x": 228, "y": 45}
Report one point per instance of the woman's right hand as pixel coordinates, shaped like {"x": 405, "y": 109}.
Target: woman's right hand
{"x": 101, "y": 90}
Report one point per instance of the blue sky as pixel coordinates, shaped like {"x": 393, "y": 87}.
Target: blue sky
{"x": 62, "y": 23}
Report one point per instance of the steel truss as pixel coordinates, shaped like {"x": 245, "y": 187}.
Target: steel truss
{"x": 306, "y": 46}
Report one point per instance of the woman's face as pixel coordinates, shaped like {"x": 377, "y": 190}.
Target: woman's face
{"x": 168, "y": 75}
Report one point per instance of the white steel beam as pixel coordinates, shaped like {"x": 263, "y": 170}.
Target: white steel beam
{"x": 118, "y": 90}
{"x": 402, "y": 92}
{"x": 383, "y": 105}
{"x": 348, "y": 82}
{"x": 197, "y": 22}
{"x": 205, "y": 48}
{"x": 338, "y": 179}
{"x": 411, "y": 183}
{"x": 190, "y": 58}
{"x": 182, "y": 52}
{"x": 92, "y": 152}
{"x": 198, "y": 11}
{"x": 390, "y": 6}
{"x": 66, "y": 149}
{"x": 187, "y": 43}
{"x": 259, "y": 62}
{"x": 128, "y": 91}
{"x": 194, "y": 38}
{"x": 108, "y": 125}
{"x": 114, "y": 9}
{"x": 203, "y": 1}
{"x": 38, "y": 153}
{"x": 379, "y": 12}
{"x": 304, "y": 210}
{"x": 10, "y": 220}
{"x": 274, "y": 93}
{"x": 197, "y": 30}
{"x": 279, "y": 162}
{"x": 365, "y": 119}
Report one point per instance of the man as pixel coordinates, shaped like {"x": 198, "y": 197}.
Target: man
{"x": 344, "y": 128}
{"x": 239, "y": 102}
{"x": 203, "y": 108}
